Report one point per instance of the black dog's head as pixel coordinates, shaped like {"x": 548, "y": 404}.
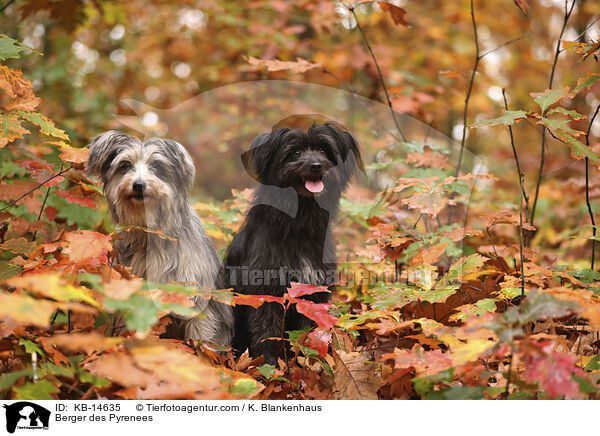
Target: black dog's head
{"x": 316, "y": 161}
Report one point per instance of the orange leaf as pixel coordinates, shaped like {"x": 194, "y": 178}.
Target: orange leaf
{"x": 429, "y": 158}
{"x": 428, "y": 255}
{"x": 459, "y": 233}
{"x": 256, "y": 300}
{"x": 18, "y": 88}
{"x": 301, "y": 289}
{"x": 300, "y": 66}
{"x": 75, "y": 155}
{"x": 317, "y": 312}
{"x": 83, "y": 245}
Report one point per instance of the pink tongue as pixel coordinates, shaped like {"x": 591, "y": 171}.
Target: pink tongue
{"x": 314, "y": 186}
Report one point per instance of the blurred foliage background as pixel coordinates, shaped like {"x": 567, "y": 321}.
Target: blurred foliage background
{"x": 184, "y": 69}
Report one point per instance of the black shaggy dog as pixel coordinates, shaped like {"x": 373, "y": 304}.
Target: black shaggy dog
{"x": 287, "y": 233}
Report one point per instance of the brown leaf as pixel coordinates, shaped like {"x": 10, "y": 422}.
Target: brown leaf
{"x": 354, "y": 377}
{"x": 503, "y": 217}
{"x": 12, "y": 191}
{"x": 397, "y": 13}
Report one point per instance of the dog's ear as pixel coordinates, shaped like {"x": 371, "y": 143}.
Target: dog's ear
{"x": 348, "y": 147}
{"x": 175, "y": 152}
{"x": 103, "y": 150}
{"x": 258, "y": 158}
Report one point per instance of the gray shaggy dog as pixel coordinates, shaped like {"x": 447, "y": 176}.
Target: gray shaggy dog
{"x": 146, "y": 186}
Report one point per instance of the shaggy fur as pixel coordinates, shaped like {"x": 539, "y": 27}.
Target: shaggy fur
{"x": 287, "y": 234}
{"x": 146, "y": 185}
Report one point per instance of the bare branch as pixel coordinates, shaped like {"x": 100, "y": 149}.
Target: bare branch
{"x": 379, "y": 73}
{"x": 587, "y": 187}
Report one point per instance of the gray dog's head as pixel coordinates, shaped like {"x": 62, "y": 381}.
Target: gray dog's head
{"x": 144, "y": 182}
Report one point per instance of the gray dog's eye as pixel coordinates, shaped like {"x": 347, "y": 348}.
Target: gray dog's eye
{"x": 124, "y": 166}
{"x": 297, "y": 153}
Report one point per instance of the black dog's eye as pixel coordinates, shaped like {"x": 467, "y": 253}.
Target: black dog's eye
{"x": 323, "y": 151}
{"x": 124, "y": 166}
{"x": 297, "y": 153}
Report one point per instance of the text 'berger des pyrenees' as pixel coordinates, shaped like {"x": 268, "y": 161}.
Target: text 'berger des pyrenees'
{"x": 146, "y": 186}
{"x": 287, "y": 233}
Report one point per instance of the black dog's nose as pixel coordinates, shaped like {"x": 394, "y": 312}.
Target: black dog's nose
{"x": 139, "y": 186}
{"x": 316, "y": 167}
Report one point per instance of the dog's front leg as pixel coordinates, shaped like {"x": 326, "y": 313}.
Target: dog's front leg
{"x": 263, "y": 323}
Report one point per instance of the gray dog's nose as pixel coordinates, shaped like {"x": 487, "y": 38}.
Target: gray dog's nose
{"x": 315, "y": 167}
{"x": 139, "y": 186}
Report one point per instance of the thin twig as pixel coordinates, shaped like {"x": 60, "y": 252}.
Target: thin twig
{"x": 469, "y": 90}
{"x": 514, "y": 149}
{"x": 487, "y": 230}
{"x": 467, "y": 99}
{"x": 8, "y": 3}
{"x": 557, "y": 51}
{"x": 521, "y": 177}
{"x": 508, "y": 377}
{"x": 379, "y": 73}
{"x": 33, "y": 189}
{"x": 504, "y": 44}
{"x": 587, "y": 187}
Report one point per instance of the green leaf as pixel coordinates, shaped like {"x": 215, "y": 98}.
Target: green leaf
{"x": 437, "y": 295}
{"x": 494, "y": 391}
{"x": 87, "y": 377}
{"x": 8, "y": 270}
{"x": 540, "y": 306}
{"x": 520, "y": 395}
{"x": 10, "y": 128}
{"x": 585, "y": 385}
{"x": 85, "y": 218}
{"x": 509, "y": 118}
{"x": 10, "y": 169}
{"x": 584, "y": 82}
{"x": 140, "y": 313}
{"x": 563, "y": 131}
{"x": 31, "y": 347}
{"x": 423, "y": 385}
{"x": 570, "y": 113}
{"x": 9, "y": 48}
{"x": 245, "y": 387}
{"x": 8, "y": 380}
{"x": 46, "y": 125}
{"x": 485, "y": 305}
{"x": 593, "y": 364}
{"x": 41, "y": 390}
{"x": 457, "y": 393}
{"x": 549, "y": 97}
{"x": 463, "y": 266}
{"x": 267, "y": 370}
